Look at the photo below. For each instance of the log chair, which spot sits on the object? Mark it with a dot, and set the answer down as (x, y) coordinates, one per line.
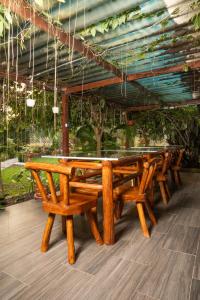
(176, 167)
(138, 194)
(162, 178)
(66, 204)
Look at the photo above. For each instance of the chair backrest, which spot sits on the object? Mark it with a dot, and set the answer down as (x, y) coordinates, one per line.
(166, 162)
(40, 170)
(149, 169)
(180, 157)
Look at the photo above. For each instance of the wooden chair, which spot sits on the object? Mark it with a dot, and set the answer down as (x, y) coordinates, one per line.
(64, 203)
(138, 194)
(176, 167)
(162, 178)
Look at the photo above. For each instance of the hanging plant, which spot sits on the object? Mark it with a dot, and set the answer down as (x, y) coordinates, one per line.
(30, 102)
(5, 19)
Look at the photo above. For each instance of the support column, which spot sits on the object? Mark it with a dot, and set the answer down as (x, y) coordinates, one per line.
(108, 205)
(65, 124)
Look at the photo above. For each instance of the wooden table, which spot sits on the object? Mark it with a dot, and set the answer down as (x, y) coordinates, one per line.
(106, 163)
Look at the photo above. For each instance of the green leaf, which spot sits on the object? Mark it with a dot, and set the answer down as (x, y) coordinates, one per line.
(114, 24)
(8, 16)
(185, 68)
(1, 28)
(93, 31)
(176, 11)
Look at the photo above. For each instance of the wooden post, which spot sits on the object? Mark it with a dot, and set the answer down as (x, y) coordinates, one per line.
(65, 124)
(108, 205)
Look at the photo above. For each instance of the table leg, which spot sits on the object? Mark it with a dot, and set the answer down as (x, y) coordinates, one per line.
(108, 205)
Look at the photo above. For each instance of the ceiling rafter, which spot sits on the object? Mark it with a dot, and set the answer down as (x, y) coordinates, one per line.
(131, 77)
(28, 12)
(165, 105)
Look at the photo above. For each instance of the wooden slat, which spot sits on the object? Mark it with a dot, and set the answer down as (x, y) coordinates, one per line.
(52, 187)
(92, 186)
(40, 185)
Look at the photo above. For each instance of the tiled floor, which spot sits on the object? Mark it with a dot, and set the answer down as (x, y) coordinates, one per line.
(166, 266)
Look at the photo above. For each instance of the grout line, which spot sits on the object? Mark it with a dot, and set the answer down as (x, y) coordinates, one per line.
(176, 251)
(198, 248)
(139, 293)
(7, 273)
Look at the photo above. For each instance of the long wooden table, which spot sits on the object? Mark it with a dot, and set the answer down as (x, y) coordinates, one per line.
(107, 163)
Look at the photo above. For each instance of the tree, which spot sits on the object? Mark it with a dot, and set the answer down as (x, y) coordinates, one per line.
(93, 119)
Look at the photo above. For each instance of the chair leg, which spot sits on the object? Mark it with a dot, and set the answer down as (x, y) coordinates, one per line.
(151, 193)
(64, 224)
(163, 192)
(167, 190)
(142, 219)
(70, 239)
(94, 212)
(150, 213)
(118, 209)
(93, 227)
(172, 176)
(47, 232)
(179, 178)
(176, 178)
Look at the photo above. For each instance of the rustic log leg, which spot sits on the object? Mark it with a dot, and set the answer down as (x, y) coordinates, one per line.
(108, 205)
(150, 213)
(167, 190)
(179, 178)
(176, 178)
(64, 224)
(70, 240)
(142, 219)
(47, 232)
(118, 209)
(163, 192)
(93, 227)
(172, 176)
(94, 212)
(151, 193)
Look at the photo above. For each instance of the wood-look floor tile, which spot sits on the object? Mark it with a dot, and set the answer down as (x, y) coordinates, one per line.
(165, 222)
(182, 238)
(195, 290)
(28, 265)
(118, 282)
(169, 277)
(139, 296)
(141, 249)
(134, 268)
(197, 264)
(189, 217)
(9, 286)
(42, 282)
(67, 286)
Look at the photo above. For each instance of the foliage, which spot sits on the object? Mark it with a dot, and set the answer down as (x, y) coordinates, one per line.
(92, 121)
(180, 126)
(114, 22)
(5, 19)
(196, 18)
(20, 124)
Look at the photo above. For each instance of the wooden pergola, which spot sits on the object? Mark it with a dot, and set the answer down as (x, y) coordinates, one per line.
(28, 13)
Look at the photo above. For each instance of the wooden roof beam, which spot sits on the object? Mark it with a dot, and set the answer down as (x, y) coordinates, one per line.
(27, 12)
(131, 77)
(164, 106)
